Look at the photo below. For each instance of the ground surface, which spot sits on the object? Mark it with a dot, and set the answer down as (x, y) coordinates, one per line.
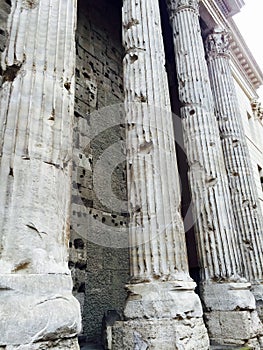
(213, 347)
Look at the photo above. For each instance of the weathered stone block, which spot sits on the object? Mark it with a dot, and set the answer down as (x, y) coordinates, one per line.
(233, 327)
(55, 344)
(163, 300)
(227, 296)
(160, 334)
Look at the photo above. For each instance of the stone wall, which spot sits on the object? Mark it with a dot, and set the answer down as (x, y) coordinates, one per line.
(5, 6)
(98, 247)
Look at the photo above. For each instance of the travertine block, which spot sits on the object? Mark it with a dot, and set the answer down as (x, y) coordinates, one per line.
(160, 334)
(163, 300)
(227, 296)
(233, 327)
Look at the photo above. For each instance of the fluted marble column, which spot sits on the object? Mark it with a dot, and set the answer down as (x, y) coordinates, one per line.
(222, 289)
(161, 293)
(36, 113)
(242, 185)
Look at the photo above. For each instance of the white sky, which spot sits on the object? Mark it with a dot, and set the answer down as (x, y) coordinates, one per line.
(250, 23)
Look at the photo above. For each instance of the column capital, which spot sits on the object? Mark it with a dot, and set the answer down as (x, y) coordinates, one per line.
(217, 43)
(177, 5)
(257, 109)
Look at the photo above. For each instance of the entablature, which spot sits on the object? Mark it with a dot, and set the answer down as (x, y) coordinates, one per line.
(217, 13)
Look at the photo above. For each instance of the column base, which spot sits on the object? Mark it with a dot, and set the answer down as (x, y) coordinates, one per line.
(163, 316)
(37, 310)
(230, 314)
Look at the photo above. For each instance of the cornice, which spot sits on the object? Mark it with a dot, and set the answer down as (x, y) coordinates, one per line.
(230, 7)
(241, 56)
(244, 56)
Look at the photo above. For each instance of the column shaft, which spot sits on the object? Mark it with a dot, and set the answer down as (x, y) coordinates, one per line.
(242, 185)
(36, 113)
(160, 288)
(222, 288)
(208, 181)
(157, 232)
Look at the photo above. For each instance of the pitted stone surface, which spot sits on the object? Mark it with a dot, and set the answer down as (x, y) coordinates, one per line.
(227, 296)
(5, 8)
(164, 334)
(100, 268)
(237, 328)
(163, 300)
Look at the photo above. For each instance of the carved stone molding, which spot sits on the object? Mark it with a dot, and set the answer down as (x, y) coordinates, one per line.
(217, 43)
(230, 8)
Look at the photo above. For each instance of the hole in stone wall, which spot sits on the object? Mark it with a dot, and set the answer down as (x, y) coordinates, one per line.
(134, 58)
(78, 243)
(81, 288)
(260, 172)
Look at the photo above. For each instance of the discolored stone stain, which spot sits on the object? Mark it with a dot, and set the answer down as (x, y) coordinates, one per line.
(67, 233)
(146, 147)
(67, 85)
(21, 266)
(30, 4)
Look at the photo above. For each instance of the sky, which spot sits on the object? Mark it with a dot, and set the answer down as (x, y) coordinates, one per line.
(250, 23)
